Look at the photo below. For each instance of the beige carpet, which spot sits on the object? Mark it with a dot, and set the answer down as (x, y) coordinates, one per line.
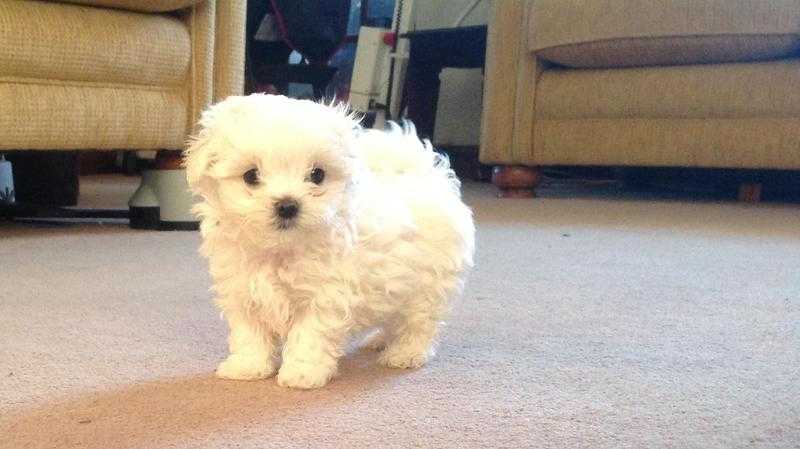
(589, 322)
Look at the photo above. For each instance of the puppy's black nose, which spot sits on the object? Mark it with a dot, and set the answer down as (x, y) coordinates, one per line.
(287, 208)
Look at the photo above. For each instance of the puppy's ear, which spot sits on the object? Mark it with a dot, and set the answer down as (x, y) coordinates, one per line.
(200, 156)
(198, 160)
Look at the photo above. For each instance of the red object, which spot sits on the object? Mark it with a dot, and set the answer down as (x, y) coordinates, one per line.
(390, 39)
(267, 89)
(282, 25)
(515, 181)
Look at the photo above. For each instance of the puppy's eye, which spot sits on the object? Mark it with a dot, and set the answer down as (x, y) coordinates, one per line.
(317, 175)
(250, 177)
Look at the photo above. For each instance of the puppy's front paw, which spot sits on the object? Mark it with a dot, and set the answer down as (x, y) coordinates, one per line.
(304, 376)
(245, 367)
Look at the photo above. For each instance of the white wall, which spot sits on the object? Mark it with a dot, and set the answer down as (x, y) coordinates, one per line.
(442, 13)
(458, 116)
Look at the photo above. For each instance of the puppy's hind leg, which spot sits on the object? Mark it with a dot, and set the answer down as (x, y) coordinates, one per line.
(411, 342)
(374, 341)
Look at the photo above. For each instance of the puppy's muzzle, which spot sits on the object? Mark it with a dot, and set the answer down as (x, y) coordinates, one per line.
(287, 208)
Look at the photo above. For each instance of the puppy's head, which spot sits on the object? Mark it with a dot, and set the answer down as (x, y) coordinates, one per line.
(277, 170)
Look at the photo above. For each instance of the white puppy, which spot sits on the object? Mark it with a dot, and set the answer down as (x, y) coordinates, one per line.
(316, 230)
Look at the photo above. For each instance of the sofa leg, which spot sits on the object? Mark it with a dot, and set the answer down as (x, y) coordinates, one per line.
(515, 181)
(750, 192)
(163, 200)
(143, 208)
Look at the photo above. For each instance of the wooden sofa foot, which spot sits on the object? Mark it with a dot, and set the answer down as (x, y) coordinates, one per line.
(515, 181)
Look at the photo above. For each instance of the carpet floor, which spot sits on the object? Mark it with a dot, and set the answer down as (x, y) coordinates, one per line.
(588, 322)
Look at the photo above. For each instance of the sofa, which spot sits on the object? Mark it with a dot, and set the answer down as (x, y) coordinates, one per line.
(118, 74)
(662, 83)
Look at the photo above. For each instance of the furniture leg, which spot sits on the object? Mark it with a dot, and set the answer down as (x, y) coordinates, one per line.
(163, 200)
(422, 94)
(515, 181)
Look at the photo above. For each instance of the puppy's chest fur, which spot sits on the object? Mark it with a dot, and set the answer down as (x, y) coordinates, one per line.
(282, 289)
(362, 286)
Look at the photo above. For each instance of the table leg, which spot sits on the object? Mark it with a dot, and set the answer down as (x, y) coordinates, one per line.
(422, 95)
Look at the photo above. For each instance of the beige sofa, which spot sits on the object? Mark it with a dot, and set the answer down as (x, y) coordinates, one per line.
(115, 74)
(702, 83)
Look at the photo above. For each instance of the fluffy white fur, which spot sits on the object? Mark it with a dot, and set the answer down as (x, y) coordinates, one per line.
(382, 243)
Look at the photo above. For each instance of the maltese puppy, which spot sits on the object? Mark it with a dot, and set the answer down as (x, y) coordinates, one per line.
(317, 231)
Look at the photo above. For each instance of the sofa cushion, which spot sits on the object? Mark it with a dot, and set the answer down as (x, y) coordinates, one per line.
(60, 116)
(677, 50)
(138, 5)
(620, 33)
(730, 91)
(56, 41)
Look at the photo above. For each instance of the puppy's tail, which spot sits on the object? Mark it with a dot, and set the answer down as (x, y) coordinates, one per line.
(398, 151)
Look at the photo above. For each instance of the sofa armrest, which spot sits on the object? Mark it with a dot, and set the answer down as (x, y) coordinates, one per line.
(229, 48)
(510, 86)
(218, 45)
